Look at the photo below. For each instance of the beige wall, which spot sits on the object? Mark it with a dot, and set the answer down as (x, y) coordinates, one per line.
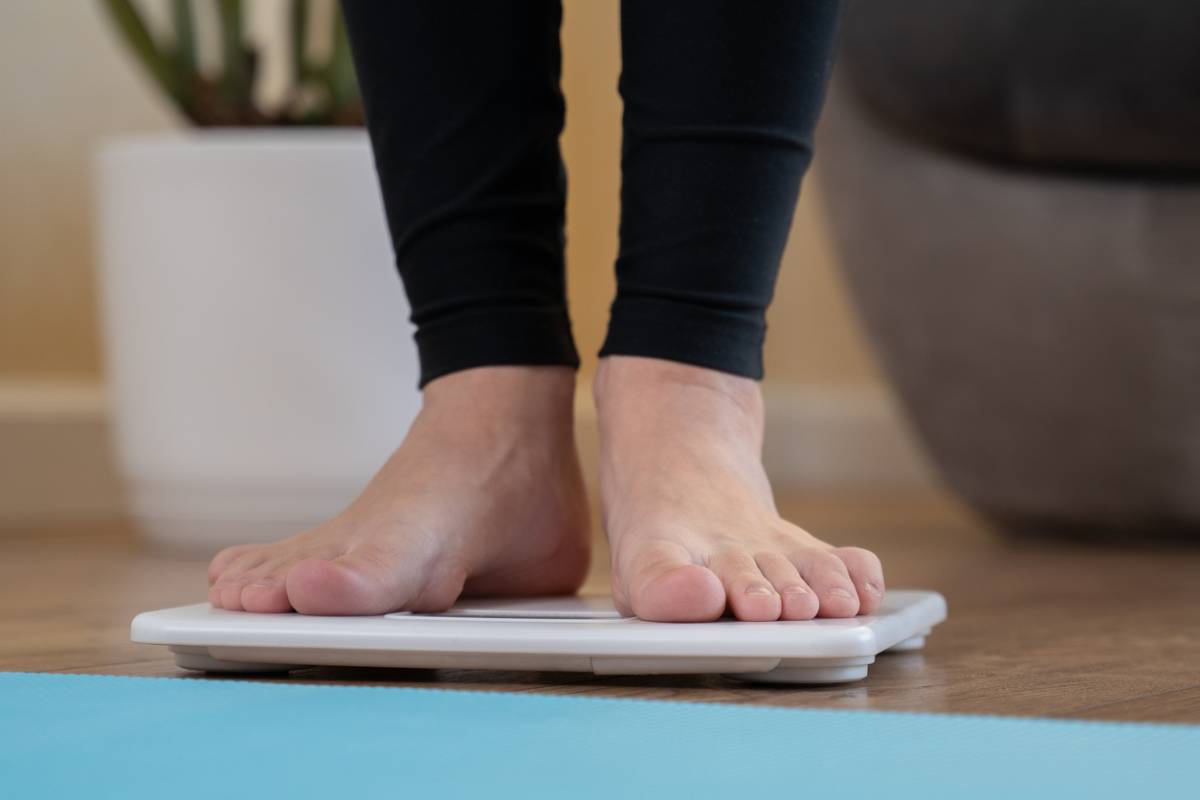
(65, 84)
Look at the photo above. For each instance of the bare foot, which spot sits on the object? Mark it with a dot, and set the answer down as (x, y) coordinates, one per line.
(688, 509)
(484, 496)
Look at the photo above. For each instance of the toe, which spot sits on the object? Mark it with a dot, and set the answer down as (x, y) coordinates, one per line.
(226, 591)
(265, 590)
(224, 558)
(667, 586)
(682, 593)
(750, 594)
(317, 586)
(230, 596)
(829, 579)
(266, 596)
(799, 601)
(866, 572)
(367, 580)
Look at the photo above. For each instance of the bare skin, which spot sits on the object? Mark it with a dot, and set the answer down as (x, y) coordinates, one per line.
(689, 513)
(484, 496)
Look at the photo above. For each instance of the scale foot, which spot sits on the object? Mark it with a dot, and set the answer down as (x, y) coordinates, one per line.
(198, 659)
(909, 645)
(806, 675)
(812, 671)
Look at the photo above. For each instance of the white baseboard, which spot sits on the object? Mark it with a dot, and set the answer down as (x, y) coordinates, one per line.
(56, 461)
(835, 438)
(818, 438)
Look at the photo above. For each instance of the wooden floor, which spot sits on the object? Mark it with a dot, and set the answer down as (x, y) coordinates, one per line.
(1035, 628)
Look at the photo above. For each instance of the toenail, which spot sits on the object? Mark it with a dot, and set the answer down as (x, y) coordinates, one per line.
(872, 588)
(840, 592)
(758, 590)
(796, 590)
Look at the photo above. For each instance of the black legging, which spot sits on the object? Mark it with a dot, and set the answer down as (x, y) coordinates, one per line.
(464, 111)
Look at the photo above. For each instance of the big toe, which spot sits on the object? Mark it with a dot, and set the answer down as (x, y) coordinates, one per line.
(372, 579)
(678, 592)
(337, 587)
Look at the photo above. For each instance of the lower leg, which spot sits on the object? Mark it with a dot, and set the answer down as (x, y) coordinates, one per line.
(721, 99)
(464, 110)
(484, 495)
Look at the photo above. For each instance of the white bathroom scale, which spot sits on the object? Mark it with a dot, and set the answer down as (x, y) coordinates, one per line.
(570, 634)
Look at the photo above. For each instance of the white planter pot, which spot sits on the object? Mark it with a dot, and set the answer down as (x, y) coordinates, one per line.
(260, 358)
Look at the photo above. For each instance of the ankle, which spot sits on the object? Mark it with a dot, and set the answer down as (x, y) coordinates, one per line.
(626, 384)
(532, 402)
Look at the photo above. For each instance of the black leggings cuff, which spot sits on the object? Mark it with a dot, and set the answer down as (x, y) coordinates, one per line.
(496, 337)
(727, 341)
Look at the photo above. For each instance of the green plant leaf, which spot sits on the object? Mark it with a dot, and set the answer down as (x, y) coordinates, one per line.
(185, 46)
(235, 78)
(343, 86)
(299, 39)
(158, 62)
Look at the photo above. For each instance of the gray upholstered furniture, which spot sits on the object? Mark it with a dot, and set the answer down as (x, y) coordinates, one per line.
(1015, 191)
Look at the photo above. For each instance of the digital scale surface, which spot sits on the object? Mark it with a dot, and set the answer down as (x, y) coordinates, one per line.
(570, 634)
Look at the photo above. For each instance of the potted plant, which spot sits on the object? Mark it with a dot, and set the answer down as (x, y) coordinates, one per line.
(259, 355)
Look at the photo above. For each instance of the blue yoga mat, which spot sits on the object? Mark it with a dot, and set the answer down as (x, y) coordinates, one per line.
(92, 736)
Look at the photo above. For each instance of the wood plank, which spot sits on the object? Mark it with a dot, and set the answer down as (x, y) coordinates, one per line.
(1180, 705)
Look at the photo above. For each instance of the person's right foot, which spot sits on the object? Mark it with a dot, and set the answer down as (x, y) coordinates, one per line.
(484, 496)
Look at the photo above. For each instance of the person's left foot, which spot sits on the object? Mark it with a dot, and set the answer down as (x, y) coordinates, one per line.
(688, 509)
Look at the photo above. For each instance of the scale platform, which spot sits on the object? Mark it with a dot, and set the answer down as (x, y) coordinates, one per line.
(569, 634)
